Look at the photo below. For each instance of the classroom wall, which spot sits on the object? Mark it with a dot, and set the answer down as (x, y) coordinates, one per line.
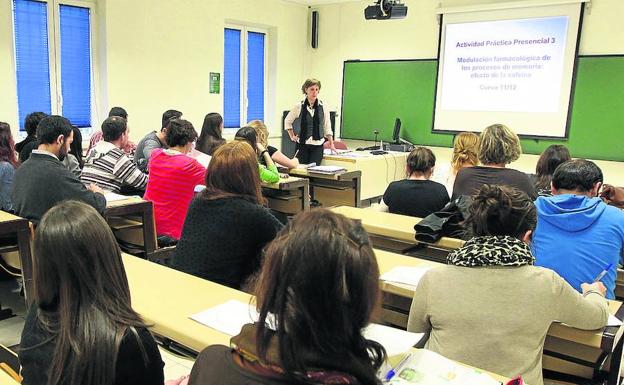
(346, 35)
(153, 55)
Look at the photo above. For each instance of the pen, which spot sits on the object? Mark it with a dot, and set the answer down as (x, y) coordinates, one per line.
(394, 370)
(603, 273)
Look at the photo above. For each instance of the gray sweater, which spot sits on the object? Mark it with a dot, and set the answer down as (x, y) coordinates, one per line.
(42, 182)
(496, 318)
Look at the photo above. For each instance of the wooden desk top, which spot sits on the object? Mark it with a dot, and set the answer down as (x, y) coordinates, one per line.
(363, 156)
(166, 298)
(8, 217)
(604, 338)
(393, 226)
(290, 183)
(5, 379)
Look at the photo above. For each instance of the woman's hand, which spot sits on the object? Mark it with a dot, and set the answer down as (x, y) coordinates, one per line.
(332, 147)
(260, 148)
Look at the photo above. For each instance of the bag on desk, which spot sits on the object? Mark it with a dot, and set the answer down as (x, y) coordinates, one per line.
(447, 222)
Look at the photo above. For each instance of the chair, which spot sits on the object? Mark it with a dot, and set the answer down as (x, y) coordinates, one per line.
(338, 144)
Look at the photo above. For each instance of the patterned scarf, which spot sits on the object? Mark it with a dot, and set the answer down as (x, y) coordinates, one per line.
(245, 345)
(498, 250)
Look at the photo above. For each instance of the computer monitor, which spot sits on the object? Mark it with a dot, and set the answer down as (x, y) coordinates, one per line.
(396, 135)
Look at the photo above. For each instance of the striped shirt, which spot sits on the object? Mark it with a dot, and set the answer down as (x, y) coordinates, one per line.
(110, 168)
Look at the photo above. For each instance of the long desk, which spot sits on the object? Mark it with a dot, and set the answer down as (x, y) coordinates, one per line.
(395, 232)
(378, 171)
(12, 225)
(127, 216)
(582, 353)
(289, 196)
(343, 188)
(177, 295)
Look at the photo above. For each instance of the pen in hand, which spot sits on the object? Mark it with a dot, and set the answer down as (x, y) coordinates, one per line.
(397, 368)
(603, 273)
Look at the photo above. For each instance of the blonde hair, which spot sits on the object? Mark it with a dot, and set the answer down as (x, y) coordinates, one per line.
(465, 150)
(309, 83)
(498, 145)
(262, 132)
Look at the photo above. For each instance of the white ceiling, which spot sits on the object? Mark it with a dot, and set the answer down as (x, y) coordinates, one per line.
(320, 2)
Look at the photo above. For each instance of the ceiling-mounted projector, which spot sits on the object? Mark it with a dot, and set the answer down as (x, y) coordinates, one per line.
(385, 9)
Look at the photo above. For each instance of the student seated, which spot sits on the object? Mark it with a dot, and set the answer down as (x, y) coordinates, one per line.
(416, 196)
(211, 136)
(490, 307)
(98, 136)
(43, 181)
(578, 235)
(613, 196)
(465, 154)
(25, 147)
(498, 146)
(173, 176)
(8, 164)
(226, 227)
(153, 140)
(81, 328)
(553, 156)
(268, 173)
(262, 135)
(73, 161)
(107, 165)
(320, 286)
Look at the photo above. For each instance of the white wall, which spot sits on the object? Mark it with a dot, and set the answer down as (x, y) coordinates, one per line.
(346, 35)
(160, 52)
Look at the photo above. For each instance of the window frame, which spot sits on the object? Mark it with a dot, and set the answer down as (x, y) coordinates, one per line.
(54, 56)
(244, 30)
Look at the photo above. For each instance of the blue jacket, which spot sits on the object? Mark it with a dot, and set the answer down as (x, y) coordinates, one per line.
(578, 237)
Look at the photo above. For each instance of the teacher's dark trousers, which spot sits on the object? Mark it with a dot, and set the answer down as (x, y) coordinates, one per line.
(309, 153)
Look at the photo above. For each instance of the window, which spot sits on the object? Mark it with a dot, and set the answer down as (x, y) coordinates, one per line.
(244, 76)
(53, 58)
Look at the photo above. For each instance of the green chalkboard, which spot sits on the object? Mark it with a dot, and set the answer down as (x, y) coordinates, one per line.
(376, 92)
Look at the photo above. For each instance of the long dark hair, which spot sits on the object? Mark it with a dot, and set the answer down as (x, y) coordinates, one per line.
(552, 157)
(82, 294)
(211, 136)
(320, 280)
(7, 145)
(500, 210)
(233, 172)
(75, 148)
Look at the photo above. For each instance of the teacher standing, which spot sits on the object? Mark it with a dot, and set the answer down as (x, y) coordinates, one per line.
(315, 125)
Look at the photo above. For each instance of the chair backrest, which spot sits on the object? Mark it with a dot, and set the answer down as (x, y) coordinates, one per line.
(338, 144)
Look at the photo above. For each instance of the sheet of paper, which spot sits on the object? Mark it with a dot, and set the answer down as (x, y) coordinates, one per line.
(405, 274)
(112, 197)
(613, 321)
(326, 169)
(428, 368)
(303, 166)
(396, 341)
(228, 318)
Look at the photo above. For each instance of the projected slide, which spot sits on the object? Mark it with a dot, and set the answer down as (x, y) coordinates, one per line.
(508, 65)
(511, 65)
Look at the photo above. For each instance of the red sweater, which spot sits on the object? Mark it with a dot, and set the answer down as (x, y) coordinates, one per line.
(172, 179)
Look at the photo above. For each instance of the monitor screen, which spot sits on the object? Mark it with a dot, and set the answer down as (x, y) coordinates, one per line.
(396, 135)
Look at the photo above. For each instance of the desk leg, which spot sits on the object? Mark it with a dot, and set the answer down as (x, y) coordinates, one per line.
(149, 230)
(23, 246)
(305, 197)
(358, 187)
(616, 364)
